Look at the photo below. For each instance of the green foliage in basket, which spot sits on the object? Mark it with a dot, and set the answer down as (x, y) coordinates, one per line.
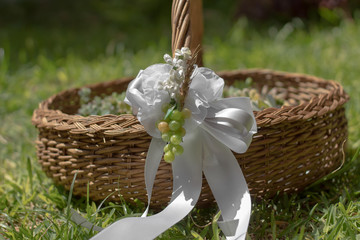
(259, 100)
(112, 104)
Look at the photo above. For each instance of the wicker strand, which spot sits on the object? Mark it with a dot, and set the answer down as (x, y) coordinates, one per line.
(187, 26)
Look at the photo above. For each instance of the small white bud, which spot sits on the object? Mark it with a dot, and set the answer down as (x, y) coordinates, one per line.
(168, 59)
(179, 63)
(179, 74)
(186, 52)
(178, 53)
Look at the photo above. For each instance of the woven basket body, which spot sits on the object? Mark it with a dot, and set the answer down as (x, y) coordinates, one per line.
(294, 146)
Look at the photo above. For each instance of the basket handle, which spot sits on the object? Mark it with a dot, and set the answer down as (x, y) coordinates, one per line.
(187, 26)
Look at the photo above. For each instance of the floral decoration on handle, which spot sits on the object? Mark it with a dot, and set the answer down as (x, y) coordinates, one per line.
(192, 127)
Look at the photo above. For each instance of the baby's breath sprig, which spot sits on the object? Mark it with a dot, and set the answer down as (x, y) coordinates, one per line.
(177, 85)
(177, 75)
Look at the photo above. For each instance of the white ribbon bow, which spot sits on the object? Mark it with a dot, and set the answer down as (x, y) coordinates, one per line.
(216, 127)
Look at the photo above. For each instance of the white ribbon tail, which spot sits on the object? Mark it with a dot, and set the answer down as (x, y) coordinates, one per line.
(152, 162)
(187, 179)
(153, 159)
(228, 186)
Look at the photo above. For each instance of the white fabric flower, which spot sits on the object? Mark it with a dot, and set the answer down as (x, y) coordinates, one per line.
(168, 59)
(146, 95)
(205, 88)
(145, 98)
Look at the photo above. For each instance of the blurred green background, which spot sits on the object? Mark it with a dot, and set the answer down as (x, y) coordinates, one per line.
(48, 46)
(92, 28)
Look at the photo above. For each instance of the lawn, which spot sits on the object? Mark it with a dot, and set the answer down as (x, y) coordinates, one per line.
(39, 61)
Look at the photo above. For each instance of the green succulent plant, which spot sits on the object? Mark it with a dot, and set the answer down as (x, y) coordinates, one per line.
(114, 103)
(259, 100)
(111, 104)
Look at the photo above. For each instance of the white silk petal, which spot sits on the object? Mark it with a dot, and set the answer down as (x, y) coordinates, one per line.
(206, 82)
(205, 87)
(228, 186)
(145, 98)
(198, 107)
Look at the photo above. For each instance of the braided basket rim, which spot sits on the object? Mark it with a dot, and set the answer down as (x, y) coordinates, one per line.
(266, 117)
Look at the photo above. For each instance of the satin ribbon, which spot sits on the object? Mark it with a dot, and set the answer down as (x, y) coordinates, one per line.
(229, 125)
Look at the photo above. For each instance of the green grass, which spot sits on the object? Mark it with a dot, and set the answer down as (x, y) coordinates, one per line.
(36, 62)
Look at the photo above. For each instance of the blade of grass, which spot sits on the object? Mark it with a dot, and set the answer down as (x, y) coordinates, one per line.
(273, 225)
(214, 226)
(68, 208)
(29, 169)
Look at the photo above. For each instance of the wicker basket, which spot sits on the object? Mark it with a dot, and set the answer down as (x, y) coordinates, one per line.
(295, 145)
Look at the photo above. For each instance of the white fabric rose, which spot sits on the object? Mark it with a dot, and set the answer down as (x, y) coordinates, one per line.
(146, 99)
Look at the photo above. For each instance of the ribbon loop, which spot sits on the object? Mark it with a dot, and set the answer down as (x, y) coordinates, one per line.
(232, 117)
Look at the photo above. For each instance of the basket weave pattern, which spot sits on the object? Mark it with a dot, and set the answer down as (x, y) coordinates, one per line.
(295, 145)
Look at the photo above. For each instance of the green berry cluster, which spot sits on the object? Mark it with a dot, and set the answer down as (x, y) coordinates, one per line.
(172, 131)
